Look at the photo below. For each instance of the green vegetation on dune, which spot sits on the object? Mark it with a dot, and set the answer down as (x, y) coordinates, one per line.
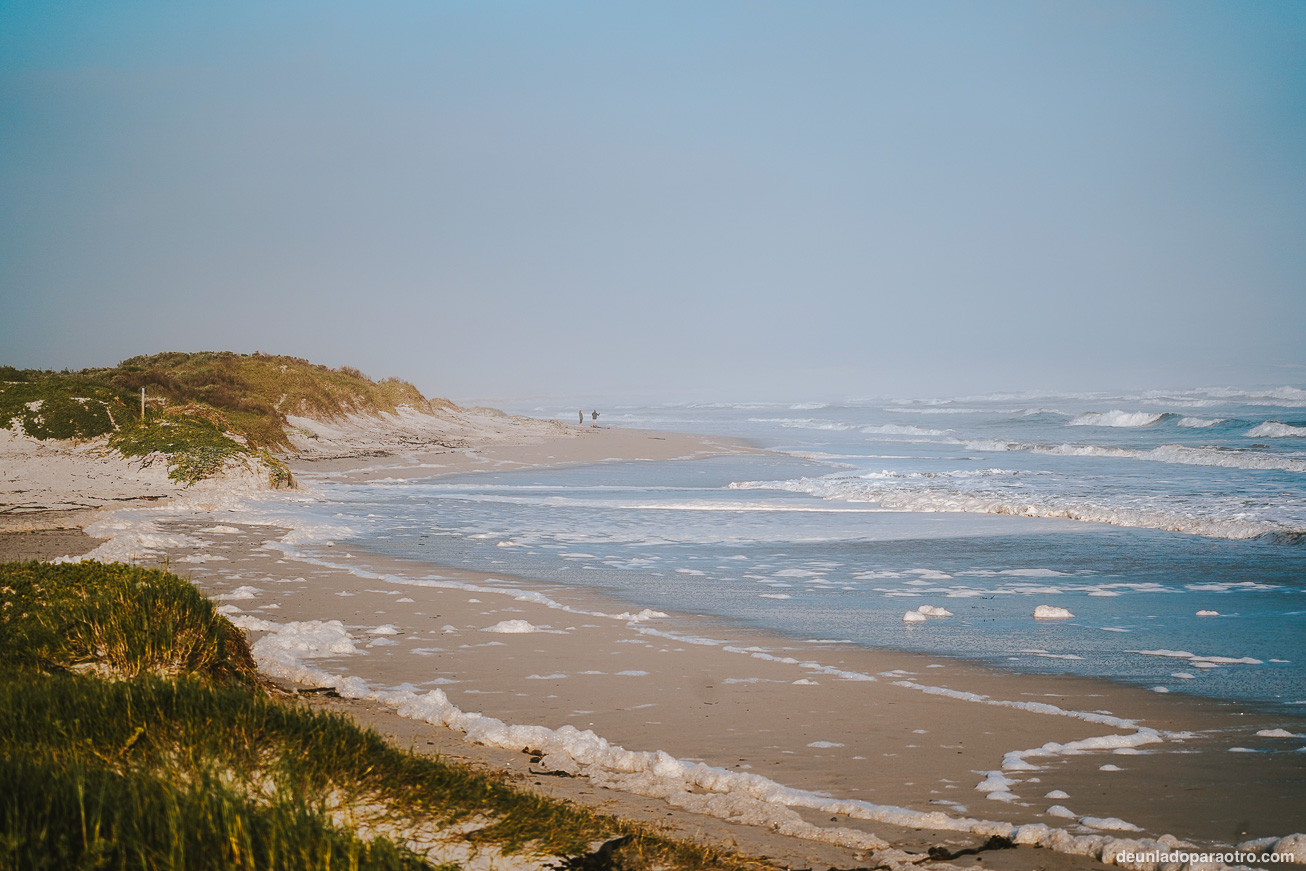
(153, 774)
(165, 752)
(115, 620)
(204, 409)
(256, 392)
(196, 445)
(59, 407)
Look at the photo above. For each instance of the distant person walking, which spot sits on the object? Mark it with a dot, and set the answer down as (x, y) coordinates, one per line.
(582, 417)
(594, 415)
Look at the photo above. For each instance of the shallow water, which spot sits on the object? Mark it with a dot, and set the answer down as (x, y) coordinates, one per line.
(678, 535)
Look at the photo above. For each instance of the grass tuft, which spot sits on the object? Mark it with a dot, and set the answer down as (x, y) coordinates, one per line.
(115, 620)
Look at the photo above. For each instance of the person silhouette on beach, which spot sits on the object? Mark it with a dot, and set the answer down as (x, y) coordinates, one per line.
(582, 417)
(594, 415)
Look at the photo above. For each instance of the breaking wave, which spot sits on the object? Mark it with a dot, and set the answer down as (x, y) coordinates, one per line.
(898, 429)
(1118, 418)
(944, 499)
(1272, 429)
(804, 423)
(1228, 458)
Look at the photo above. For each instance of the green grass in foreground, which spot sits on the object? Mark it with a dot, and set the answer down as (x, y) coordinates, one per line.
(184, 762)
(116, 621)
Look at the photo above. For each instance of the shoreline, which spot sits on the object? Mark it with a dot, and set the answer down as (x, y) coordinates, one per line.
(706, 672)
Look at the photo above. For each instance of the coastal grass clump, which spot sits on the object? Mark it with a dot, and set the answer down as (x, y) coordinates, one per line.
(57, 815)
(116, 621)
(135, 733)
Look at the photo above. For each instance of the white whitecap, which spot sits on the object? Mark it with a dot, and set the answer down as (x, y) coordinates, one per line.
(1116, 418)
(1272, 429)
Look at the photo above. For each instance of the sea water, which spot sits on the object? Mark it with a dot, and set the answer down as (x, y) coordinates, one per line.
(1170, 526)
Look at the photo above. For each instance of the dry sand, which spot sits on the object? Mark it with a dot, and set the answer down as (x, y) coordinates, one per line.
(791, 710)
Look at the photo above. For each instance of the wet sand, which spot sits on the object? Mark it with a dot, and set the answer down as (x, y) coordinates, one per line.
(805, 714)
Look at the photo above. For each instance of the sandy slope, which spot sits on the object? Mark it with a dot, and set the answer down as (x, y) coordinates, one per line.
(38, 476)
(44, 475)
(409, 429)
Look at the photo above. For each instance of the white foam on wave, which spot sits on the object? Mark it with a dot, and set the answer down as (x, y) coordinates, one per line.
(1183, 455)
(955, 474)
(1116, 418)
(900, 429)
(1177, 454)
(884, 490)
(1272, 429)
(1198, 422)
(804, 423)
(1200, 661)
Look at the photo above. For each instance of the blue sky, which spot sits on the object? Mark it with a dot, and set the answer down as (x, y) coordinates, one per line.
(663, 200)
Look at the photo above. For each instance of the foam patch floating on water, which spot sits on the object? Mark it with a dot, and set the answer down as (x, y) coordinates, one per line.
(1051, 612)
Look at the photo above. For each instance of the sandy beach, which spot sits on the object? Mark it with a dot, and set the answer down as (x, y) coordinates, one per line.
(806, 751)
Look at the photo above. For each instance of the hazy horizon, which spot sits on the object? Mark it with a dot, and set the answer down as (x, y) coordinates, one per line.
(517, 202)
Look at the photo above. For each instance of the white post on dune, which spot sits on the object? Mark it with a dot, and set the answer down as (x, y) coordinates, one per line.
(142, 403)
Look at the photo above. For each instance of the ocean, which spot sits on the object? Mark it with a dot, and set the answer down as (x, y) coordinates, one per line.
(1165, 532)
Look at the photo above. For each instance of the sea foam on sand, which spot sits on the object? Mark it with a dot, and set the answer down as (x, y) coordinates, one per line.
(735, 795)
